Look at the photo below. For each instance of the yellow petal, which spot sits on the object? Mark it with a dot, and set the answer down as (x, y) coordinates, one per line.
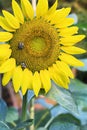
(17, 78)
(56, 77)
(12, 21)
(53, 8)
(2, 61)
(5, 53)
(45, 79)
(62, 75)
(58, 15)
(27, 9)
(68, 31)
(30, 79)
(73, 50)
(27, 80)
(42, 8)
(5, 25)
(5, 36)
(65, 68)
(8, 65)
(71, 40)
(65, 23)
(71, 60)
(36, 83)
(6, 77)
(17, 12)
(4, 46)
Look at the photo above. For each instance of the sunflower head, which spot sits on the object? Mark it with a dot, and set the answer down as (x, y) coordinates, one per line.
(38, 49)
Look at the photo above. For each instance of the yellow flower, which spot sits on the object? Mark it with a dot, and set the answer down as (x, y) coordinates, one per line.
(37, 49)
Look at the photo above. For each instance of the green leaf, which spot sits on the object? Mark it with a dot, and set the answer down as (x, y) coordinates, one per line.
(41, 128)
(64, 126)
(77, 87)
(3, 126)
(42, 117)
(79, 91)
(3, 109)
(66, 121)
(23, 124)
(84, 127)
(82, 26)
(85, 65)
(67, 118)
(63, 97)
(12, 114)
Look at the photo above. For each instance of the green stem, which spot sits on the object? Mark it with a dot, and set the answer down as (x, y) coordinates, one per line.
(0, 87)
(49, 122)
(14, 124)
(32, 113)
(24, 108)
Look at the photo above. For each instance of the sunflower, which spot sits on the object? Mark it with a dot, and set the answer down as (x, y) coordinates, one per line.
(38, 48)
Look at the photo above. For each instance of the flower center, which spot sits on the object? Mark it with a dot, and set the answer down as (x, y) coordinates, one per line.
(38, 44)
(35, 45)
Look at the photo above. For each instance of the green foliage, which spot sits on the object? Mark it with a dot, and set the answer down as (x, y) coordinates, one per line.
(70, 119)
(42, 117)
(65, 122)
(3, 126)
(84, 127)
(12, 115)
(20, 126)
(64, 126)
(9, 115)
(24, 124)
(3, 110)
(79, 92)
(41, 128)
(77, 87)
(62, 97)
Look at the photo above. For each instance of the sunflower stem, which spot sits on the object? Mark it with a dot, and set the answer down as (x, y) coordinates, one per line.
(0, 87)
(32, 112)
(24, 108)
(34, 6)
